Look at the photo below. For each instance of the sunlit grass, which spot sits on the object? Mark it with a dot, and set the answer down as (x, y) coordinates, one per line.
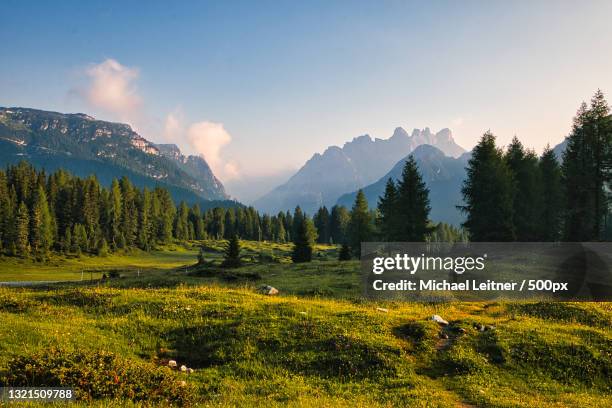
(317, 344)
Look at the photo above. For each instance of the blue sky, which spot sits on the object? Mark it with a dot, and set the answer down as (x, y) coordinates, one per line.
(260, 86)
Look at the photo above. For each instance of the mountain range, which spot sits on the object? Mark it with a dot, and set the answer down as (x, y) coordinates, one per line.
(83, 145)
(362, 161)
(443, 176)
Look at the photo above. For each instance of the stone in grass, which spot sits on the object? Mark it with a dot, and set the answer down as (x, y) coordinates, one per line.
(439, 320)
(443, 335)
(184, 368)
(268, 290)
(382, 309)
(172, 364)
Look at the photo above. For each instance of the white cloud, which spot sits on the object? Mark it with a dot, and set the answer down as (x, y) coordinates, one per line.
(231, 170)
(173, 125)
(111, 88)
(207, 139)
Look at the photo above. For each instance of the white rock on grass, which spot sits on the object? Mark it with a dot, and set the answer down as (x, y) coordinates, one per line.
(184, 368)
(382, 309)
(439, 320)
(172, 364)
(268, 290)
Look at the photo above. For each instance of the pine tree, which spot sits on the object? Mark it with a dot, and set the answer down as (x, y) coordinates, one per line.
(411, 208)
(586, 169)
(79, 239)
(360, 224)
(116, 203)
(129, 212)
(103, 248)
(41, 225)
(340, 218)
(304, 238)
(345, 253)
(322, 223)
(232, 253)
(387, 206)
(22, 227)
(4, 211)
(551, 192)
(298, 217)
(526, 195)
(181, 226)
(488, 193)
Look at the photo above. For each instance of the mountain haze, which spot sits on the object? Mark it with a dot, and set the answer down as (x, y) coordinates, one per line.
(362, 161)
(84, 146)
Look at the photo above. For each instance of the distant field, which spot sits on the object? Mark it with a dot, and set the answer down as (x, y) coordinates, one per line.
(72, 268)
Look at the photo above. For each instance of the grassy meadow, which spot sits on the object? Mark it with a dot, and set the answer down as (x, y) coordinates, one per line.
(318, 343)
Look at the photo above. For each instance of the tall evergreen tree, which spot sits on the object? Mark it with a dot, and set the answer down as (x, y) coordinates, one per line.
(412, 205)
(231, 258)
(387, 207)
(322, 223)
(360, 225)
(526, 194)
(488, 193)
(586, 169)
(41, 225)
(22, 229)
(339, 223)
(551, 192)
(116, 209)
(304, 237)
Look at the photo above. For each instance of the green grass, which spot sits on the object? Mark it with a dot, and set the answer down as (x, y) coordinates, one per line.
(71, 267)
(317, 344)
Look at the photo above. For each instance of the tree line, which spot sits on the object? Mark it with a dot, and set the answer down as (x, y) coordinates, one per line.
(509, 195)
(514, 195)
(41, 213)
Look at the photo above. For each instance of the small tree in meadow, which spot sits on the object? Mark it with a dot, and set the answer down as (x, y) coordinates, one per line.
(345, 253)
(232, 253)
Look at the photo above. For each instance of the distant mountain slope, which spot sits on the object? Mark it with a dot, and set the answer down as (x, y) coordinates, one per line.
(443, 175)
(362, 161)
(84, 146)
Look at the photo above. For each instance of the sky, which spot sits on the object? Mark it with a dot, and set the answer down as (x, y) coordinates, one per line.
(259, 87)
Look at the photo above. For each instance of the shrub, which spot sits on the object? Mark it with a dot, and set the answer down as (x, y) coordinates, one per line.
(98, 375)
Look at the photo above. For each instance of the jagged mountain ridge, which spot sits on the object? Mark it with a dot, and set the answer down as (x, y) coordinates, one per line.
(83, 145)
(443, 176)
(362, 161)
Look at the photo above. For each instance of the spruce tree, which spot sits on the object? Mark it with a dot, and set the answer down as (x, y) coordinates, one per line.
(41, 225)
(526, 194)
(231, 258)
(360, 225)
(22, 228)
(345, 253)
(412, 205)
(551, 192)
(387, 206)
(488, 193)
(304, 237)
(322, 223)
(340, 218)
(116, 203)
(103, 248)
(586, 170)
